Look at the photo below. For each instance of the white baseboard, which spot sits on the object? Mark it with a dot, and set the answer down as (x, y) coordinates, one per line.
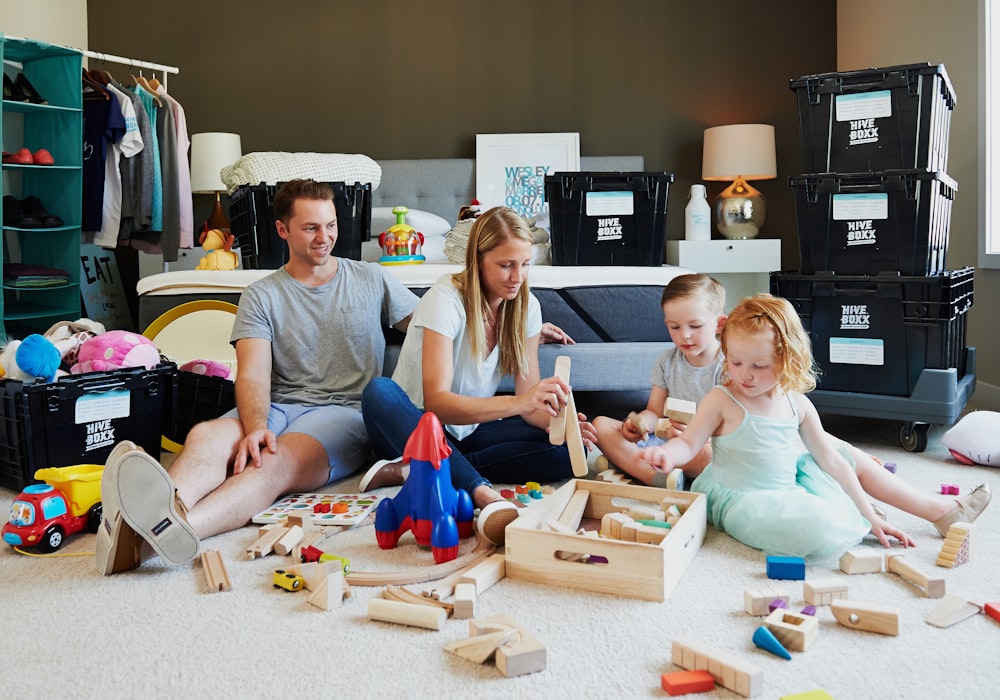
(986, 397)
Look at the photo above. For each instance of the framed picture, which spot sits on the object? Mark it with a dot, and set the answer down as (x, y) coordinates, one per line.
(511, 168)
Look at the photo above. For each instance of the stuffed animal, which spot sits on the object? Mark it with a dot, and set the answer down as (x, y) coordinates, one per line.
(219, 245)
(975, 439)
(114, 350)
(32, 358)
(208, 368)
(68, 336)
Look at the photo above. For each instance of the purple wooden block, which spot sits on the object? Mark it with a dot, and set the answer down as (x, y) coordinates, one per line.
(809, 610)
(890, 466)
(775, 604)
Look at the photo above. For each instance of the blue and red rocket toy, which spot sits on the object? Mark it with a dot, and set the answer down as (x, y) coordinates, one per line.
(436, 512)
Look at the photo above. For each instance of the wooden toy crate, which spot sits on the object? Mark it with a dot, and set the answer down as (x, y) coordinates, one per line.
(534, 552)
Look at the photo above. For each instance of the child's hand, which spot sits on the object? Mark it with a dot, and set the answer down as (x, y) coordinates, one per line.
(633, 428)
(657, 458)
(883, 530)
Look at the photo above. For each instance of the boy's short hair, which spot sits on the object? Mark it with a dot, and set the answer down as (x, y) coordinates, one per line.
(288, 193)
(699, 286)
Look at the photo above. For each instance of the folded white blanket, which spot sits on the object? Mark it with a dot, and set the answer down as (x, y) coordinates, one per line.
(273, 167)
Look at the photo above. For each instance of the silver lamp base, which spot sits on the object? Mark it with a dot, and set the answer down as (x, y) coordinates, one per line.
(740, 211)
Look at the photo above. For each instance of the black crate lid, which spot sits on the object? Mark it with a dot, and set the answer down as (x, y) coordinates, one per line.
(834, 81)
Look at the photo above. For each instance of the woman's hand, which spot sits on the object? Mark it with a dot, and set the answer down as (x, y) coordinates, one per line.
(547, 396)
(552, 333)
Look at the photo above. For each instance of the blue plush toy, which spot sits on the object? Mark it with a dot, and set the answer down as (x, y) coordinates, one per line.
(36, 356)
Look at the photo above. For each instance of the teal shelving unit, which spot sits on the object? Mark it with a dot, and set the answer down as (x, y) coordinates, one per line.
(55, 73)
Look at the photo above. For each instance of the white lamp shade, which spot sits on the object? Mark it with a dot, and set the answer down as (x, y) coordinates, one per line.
(210, 153)
(737, 150)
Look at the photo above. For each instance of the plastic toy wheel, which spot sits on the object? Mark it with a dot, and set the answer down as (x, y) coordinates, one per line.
(94, 517)
(52, 540)
(913, 436)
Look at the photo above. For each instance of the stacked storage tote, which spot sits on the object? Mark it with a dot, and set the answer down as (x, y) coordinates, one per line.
(887, 318)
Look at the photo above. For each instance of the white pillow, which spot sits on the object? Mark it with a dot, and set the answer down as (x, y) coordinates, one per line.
(426, 222)
(975, 438)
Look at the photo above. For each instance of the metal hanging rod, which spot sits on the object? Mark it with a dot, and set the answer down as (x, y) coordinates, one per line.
(130, 61)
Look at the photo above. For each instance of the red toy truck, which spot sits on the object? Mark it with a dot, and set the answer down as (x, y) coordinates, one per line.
(43, 515)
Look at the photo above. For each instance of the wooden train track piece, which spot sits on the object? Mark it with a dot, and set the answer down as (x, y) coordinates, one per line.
(215, 571)
(422, 575)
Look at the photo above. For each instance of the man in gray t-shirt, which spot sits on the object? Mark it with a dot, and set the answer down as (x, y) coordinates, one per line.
(308, 340)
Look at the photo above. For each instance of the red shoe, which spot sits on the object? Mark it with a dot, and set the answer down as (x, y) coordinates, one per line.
(42, 157)
(22, 157)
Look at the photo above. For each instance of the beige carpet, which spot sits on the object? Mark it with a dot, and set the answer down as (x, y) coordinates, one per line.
(157, 632)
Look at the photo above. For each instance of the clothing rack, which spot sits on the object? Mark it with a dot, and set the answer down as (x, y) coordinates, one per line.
(110, 58)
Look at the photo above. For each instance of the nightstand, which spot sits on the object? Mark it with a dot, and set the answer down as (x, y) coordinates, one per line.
(741, 266)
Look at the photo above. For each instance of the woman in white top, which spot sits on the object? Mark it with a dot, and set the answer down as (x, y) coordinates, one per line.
(469, 330)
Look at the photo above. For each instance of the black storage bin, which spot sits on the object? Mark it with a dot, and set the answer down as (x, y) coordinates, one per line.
(875, 334)
(608, 218)
(198, 398)
(896, 221)
(876, 119)
(252, 223)
(79, 419)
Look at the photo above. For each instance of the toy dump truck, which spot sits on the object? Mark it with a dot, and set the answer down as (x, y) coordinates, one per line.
(43, 515)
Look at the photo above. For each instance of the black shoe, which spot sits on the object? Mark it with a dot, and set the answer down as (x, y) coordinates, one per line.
(32, 206)
(10, 91)
(28, 90)
(15, 216)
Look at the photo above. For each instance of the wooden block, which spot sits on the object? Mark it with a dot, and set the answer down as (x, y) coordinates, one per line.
(485, 573)
(957, 547)
(646, 534)
(757, 601)
(425, 616)
(557, 425)
(269, 534)
(862, 561)
(680, 410)
(302, 520)
(789, 568)
(932, 587)
(480, 648)
(638, 511)
(727, 669)
(823, 592)
(993, 610)
(611, 525)
(951, 610)
(881, 619)
(818, 694)
(573, 512)
(330, 592)
(464, 601)
(574, 440)
(520, 654)
(629, 531)
(215, 571)
(684, 682)
(794, 630)
(636, 422)
(291, 537)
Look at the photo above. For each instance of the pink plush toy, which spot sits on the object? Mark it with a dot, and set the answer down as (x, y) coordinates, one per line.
(116, 349)
(209, 368)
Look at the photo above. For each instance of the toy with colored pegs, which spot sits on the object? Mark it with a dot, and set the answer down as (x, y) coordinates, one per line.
(401, 244)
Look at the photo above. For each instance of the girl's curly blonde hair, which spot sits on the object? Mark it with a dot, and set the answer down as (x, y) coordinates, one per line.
(763, 314)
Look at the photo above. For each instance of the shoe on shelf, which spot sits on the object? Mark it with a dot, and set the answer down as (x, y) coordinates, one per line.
(493, 521)
(22, 157)
(148, 502)
(385, 472)
(11, 92)
(42, 157)
(14, 215)
(28, 90)
(33, 206)
(970, 506)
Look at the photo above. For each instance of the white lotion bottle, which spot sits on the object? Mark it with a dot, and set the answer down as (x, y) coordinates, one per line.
(698, 215)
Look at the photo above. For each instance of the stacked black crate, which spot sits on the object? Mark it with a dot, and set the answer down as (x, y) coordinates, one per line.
(874, 217)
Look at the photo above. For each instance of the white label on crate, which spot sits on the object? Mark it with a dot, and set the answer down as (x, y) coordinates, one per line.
(102, 406)
(857, 351)
(861, 206)
(862, 107)
(609, 203)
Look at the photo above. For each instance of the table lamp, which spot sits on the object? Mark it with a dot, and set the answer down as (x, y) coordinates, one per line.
(210, 153)
(739, 152)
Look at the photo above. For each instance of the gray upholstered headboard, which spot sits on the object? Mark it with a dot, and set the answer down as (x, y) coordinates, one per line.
(445, 185)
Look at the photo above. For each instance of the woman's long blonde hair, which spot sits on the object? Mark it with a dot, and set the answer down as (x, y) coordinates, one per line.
(491, 229)
(761, 314)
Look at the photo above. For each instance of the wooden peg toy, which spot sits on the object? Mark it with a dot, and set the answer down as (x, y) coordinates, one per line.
(932, 587)
(881, 619)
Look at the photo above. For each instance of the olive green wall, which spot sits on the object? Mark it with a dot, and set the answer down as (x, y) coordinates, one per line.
(404, 79)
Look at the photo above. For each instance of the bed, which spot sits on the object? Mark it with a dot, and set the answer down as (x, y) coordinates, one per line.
(612, 312)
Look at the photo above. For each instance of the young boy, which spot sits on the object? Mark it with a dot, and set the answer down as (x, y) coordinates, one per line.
(693, 311)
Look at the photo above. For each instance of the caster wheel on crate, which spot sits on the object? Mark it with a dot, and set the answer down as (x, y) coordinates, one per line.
(913, 436)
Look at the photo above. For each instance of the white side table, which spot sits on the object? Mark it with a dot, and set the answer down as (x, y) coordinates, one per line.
(741, 266)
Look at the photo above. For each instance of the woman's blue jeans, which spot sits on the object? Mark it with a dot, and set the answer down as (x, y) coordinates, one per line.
(508, 451)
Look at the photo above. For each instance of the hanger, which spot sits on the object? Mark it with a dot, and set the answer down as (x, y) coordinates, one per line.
(93, 90)
(101, 76)
(154, 83)
(144, 84)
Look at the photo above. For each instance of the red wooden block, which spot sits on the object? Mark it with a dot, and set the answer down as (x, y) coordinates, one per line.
(683, 682)
(993, 610)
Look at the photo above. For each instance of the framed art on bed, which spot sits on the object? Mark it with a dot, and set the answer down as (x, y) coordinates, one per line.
(511, 168)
